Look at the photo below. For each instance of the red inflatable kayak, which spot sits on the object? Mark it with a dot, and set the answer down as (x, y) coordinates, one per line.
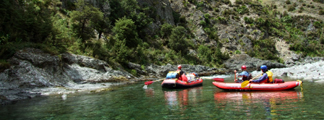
(175, 83)
(259, 86)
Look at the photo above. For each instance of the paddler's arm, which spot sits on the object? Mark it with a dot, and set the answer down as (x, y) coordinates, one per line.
(263, 77)
(234, 75)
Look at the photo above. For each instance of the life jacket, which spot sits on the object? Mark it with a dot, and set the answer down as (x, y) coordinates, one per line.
(269, 79)
(180, 72)
(247, 77)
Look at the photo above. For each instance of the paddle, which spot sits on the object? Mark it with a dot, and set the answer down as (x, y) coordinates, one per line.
(300, 84)
(246, 82)
(150, 82)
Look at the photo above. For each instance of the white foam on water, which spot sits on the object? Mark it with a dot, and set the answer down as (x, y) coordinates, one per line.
(215, 76)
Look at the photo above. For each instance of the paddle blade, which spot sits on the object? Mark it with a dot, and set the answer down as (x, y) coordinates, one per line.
(148, 82)
(145, 87)
(219, 79)
(245, 83)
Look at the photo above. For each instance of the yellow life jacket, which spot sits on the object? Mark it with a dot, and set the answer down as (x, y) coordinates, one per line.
(270, 74)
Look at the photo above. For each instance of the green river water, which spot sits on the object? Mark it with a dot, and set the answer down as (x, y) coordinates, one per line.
(132, 102)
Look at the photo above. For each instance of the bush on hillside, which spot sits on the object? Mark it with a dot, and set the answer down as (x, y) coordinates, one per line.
(193, 1)
(264, 49)
(321, 12)
(177, 40)
(242, 10)
(291, 8)
(288, 2)
(248, 20)
(319, 1)
(166, 30)
(238, 2)
(212, 54)
(226, 1)
(125, 29)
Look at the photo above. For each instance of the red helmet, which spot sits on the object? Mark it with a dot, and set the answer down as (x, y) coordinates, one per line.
(243, 67)
(179, 66)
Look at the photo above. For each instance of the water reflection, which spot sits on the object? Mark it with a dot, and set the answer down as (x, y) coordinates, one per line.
(269, 103)
(149, 92)
(266, 95)
(182, 97)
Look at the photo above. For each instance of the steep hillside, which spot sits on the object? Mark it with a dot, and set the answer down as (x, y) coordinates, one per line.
(203, 32)
(246, 26)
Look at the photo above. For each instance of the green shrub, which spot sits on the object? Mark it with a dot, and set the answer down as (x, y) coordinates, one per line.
(321, 12)
(193, 1)
(291, 8)
(166, 30)
(226, 1)
(288, 2)
(125, 29)
(317, 24)
(237, 52)
(134, 72)
(203, 23)
(178, 41)
(4, 65)
(248, 20)
(264, 49)
(242, 10)
(211, 54)
(238, 2)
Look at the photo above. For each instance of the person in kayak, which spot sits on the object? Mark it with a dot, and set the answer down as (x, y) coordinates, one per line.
(266, 76)
(244, 75)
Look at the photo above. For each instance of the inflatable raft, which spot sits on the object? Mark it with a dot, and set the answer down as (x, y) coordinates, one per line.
(174, 80)
(175, 83)
(259, 86)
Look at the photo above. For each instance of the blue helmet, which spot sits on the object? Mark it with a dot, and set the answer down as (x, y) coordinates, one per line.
(264, 67)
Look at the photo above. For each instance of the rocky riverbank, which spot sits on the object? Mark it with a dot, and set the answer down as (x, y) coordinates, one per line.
(34, 73)
(306, 69)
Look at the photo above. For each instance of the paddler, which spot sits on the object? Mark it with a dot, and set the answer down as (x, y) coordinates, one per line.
(266, 76)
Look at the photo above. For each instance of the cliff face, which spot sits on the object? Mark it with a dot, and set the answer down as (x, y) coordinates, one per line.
(163, 10)
(164, 14)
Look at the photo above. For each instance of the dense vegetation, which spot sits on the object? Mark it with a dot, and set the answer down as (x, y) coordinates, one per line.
(121, 37)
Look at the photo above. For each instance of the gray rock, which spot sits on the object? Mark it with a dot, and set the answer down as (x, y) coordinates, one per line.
(235, 63)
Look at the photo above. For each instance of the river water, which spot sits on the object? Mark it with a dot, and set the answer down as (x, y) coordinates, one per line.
(132, 102)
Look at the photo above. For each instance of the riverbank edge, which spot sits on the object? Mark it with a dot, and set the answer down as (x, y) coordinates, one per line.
(34, 73)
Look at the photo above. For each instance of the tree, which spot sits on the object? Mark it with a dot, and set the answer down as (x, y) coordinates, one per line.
(125, 29)
(166, 30)
(27, 20)
(85, 19)
(177, 39)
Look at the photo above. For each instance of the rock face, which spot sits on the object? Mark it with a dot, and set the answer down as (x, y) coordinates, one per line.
(161, 71)
(235, 63)
(33, 70)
